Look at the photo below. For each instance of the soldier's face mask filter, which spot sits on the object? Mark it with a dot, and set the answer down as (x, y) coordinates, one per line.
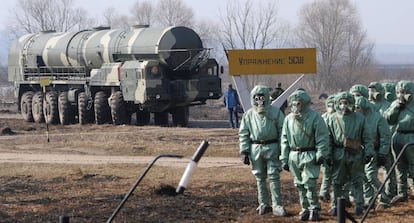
(259, 100)
(388, 96)
(373, 94)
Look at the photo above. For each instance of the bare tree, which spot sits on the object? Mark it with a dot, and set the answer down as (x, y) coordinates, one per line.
(110, 15)
(114, 20)
(253, 25)
(142, 13)
(173, 12)
(32, 16)
(343, 50)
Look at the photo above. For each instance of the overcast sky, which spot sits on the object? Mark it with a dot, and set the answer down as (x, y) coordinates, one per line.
(387, 22)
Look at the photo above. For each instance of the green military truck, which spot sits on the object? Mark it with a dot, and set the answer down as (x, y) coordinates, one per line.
(105, 75)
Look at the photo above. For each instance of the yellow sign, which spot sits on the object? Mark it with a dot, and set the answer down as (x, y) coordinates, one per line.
(45, 81)
(272, 61)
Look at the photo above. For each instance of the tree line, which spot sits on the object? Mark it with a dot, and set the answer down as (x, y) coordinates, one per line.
(333, 27)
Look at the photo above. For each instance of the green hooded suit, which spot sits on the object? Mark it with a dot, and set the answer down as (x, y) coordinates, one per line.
(352, 146)
(259, 136)
(304, 143)
(401, 115)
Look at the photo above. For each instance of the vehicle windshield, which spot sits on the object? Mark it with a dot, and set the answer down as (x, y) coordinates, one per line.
(154, 72)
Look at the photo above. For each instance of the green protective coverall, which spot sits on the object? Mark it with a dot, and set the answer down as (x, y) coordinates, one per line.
(259, 136)
(348, 164)
(382, 137)
(401, 115)
(326, 169)
(377, 97)
(305, 139)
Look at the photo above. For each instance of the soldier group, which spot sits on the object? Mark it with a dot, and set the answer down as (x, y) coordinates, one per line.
(362, 130)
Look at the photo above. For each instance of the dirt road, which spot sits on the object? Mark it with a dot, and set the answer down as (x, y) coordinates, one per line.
(100, 160)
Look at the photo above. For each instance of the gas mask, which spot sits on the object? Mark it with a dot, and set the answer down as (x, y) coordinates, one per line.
(356, 94)
(358, 108)
(259, 100)
(296, 107)
(373, 95)
(343, 106)
(388, 96)
(403, 97)
(329, 108)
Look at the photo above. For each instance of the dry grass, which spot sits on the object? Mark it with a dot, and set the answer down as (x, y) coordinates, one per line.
(90, 193)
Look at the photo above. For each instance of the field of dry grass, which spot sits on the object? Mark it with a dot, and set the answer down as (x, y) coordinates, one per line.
(41, 192)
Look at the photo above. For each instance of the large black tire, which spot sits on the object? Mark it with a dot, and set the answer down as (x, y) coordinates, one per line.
(26, 106)
(119, 113)
(66, 112)
(161, 118)
(143, 117)
(180, 116)
(102, 110)
(50, 108)
(37, 107)
(85, 115)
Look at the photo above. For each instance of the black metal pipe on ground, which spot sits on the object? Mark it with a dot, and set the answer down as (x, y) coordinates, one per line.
(137, 183)
(391, 171)
(63, 219)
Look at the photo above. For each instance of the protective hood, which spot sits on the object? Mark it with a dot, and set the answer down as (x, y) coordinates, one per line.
(359, 88)
(363, 103)
(330, 99)
(380, 92)
(260, 90)
(347, 96)
(407, 88)
(300, 95)
(389, 89)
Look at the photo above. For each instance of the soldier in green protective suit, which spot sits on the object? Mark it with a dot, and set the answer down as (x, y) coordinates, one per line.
(304, 147)
(380, 104)
(401, 115)
(259, 136)
(352, 147)
(324, 193)
(382, 137)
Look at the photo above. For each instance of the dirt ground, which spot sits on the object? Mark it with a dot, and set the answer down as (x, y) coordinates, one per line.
(84, 172)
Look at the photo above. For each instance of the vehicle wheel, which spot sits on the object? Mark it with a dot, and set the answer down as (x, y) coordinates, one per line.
(180, 116)
(66, 113)
(143, 117)
(119, 112)
(37, 107)
(102, 110)
(26, 106)
(161, 118)
(50, 108)
(85, 115)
